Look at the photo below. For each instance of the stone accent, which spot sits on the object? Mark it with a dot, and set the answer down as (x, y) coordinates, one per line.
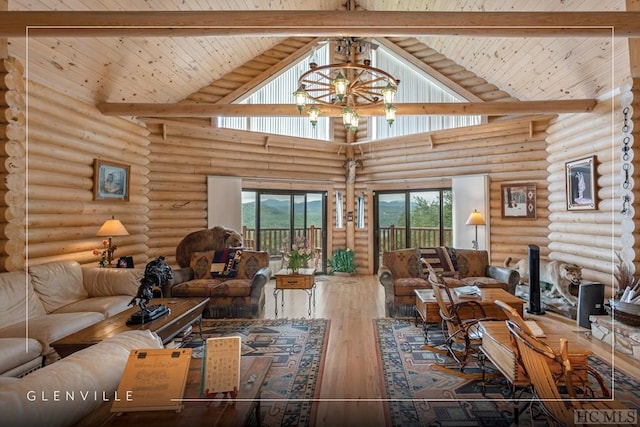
(626, 339)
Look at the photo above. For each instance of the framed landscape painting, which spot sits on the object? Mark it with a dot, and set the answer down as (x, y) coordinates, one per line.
(519, 200)
(581, 184)
(110, 181)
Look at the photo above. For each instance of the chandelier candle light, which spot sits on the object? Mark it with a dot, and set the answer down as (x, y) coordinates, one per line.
(348, 85)
(111, 227)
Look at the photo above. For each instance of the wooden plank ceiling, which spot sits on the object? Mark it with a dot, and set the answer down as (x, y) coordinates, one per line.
(116, 69)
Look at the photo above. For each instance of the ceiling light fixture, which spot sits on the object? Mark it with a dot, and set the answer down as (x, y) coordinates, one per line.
(350, 84)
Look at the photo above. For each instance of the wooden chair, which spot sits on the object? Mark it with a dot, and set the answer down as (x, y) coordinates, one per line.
(579, 376)
(535, 356)
(460, 319)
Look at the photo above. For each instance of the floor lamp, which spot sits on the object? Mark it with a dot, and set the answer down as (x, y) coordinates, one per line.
(475, 219)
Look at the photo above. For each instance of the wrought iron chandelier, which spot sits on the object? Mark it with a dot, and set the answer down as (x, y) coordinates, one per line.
(349, 85)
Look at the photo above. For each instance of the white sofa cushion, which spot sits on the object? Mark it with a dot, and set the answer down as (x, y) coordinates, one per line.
(16, 296)
(58, 284)
(108, 306)
(102, 282)
(93, 372)
(15, 352)
(51, 327)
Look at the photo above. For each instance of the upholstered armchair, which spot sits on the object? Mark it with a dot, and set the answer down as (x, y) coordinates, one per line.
(400, 274)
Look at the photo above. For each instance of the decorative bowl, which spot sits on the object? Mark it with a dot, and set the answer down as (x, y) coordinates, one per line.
(627, 313)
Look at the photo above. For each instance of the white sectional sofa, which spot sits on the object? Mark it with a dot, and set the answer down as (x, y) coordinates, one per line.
(50, 301)
(66, 392)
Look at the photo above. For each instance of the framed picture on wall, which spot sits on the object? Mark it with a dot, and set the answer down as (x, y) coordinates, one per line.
(519, 200)
(581, 184)
(110, 180)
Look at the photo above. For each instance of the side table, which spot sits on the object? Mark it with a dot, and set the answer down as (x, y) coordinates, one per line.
(303, 280)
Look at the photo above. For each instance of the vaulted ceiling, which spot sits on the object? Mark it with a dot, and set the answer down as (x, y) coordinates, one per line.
(162, 69)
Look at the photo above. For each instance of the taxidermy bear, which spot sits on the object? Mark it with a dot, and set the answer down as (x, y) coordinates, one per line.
(212, 239)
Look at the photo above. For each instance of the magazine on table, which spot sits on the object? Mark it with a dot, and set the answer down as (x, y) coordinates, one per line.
(468, 291)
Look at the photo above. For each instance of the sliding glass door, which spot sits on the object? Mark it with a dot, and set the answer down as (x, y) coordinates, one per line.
(406, 219)
(272, 220)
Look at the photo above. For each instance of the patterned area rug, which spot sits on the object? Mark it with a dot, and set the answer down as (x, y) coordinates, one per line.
(419, 395)
(298, 348)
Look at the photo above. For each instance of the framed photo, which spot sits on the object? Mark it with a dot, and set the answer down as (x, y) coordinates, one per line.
(110, 181)
(125, 262)
(519, 200)
(581, 184)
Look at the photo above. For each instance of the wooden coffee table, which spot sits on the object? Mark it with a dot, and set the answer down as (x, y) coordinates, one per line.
(183, 313)
(427, 306)
(199, 410)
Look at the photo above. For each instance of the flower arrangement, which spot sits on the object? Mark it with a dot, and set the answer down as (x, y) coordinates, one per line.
(105, 253)
(300, 253)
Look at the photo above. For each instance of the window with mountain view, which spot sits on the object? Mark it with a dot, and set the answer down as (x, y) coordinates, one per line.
(272, 220)
(418, 218)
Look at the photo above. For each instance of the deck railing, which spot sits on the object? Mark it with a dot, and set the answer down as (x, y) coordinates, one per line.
(393, 237)
(271, 239)
(390, 237)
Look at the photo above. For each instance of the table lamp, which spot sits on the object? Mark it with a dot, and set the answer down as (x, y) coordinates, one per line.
(475, 219)
(111, 227)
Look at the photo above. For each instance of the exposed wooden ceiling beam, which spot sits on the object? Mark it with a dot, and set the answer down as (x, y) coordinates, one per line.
(317, 23)
(254, 110)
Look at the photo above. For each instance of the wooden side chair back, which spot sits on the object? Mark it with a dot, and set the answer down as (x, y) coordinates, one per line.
(580, 376)
(535, 356)
(460, 318)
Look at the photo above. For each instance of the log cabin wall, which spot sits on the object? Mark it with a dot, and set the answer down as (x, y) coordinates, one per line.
(588, 238)
(507, 151)
(12, 138)
(64, 137)
(184, 154)
(171, 204)
(14, 165)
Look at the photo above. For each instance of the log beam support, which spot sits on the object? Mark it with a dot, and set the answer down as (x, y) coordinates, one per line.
(318, 23)
(498, 108)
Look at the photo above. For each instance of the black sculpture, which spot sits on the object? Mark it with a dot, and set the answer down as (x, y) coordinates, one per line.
(156, 273)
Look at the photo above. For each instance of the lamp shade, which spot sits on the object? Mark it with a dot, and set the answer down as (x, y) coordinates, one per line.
(112, 227)
(475, 218)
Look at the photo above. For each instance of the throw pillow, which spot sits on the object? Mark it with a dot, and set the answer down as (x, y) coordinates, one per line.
(201, 264)
(225, 262)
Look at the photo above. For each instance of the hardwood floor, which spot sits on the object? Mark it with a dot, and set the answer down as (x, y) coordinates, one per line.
(351, 394)
(350, 387)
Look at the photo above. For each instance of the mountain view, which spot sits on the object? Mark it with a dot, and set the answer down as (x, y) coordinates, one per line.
(276, 213)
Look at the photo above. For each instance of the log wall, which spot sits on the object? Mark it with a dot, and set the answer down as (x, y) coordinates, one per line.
(630, 109)
(61, 218)
(13, 203)
(507, 151)
(171, 159)
(590, 238)
(184, 154)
